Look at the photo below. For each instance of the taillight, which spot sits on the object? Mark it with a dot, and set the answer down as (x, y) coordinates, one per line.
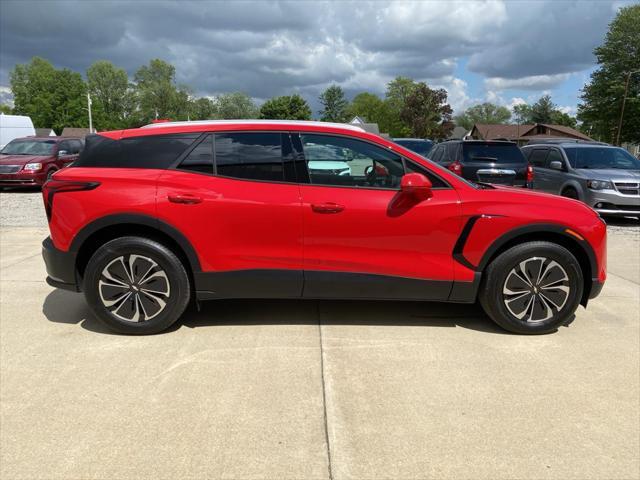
(456, 167)
(529, 174)
(51, 187)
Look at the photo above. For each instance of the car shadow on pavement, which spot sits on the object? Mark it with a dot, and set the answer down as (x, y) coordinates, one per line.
(61, 306)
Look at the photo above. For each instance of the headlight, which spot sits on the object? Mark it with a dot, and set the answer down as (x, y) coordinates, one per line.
(33, 166)
(599, 185)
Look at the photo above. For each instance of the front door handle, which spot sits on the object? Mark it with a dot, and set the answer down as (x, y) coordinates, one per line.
(327, 207)
(184, 198)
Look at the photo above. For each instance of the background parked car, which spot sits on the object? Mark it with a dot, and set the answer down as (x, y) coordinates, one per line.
(14, 126)
(484, 161)
(604, 177)
(30, 161)
(418, 145)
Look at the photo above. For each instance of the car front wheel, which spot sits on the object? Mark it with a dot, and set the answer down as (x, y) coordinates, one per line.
(135, 285)
(532, 288)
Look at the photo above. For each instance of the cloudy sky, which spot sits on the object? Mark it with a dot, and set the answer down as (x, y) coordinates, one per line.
(500, 51)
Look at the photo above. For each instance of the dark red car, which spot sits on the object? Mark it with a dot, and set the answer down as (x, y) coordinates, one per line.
(148, 220)
(31, 161)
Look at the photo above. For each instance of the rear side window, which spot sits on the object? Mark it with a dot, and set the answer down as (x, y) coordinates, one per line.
(154, 151)
(251, 156)
(492, 153)
(200, 159)
(436, 154)
(538, 157)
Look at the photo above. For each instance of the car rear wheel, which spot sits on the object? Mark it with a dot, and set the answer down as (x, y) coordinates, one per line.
(532, 288)
(136, 285)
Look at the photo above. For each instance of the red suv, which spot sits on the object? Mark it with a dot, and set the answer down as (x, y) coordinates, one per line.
(31, 161)
(150, 219)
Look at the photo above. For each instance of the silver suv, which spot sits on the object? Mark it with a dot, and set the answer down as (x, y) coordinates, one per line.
(604, 177)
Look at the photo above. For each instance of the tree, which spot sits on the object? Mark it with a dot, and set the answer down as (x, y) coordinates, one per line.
(522, 113)
(157, 92)
(236, 105)
(602, 97)
(111, 95)
(426, 113)
(542, 111)
(562, 118)
(483, 113)
(6, 109)
(334, 105)
(292, 107)
(203, 109)
(52, 98)
(370, 107)
(398, 91)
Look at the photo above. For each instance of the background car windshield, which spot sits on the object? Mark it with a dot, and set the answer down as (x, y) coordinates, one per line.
(28, 147)
(421, 148)
(601, 157)
(494, 153)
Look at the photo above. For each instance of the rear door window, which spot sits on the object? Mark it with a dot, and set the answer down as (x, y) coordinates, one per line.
(200, 159)
(251, 156)
(538, 157)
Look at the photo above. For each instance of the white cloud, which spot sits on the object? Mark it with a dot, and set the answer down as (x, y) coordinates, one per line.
(533, 82)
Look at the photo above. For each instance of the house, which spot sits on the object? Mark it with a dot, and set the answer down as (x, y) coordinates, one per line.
(458, 133)
(368, 127)
(45, 132)
(523, 133)
(75, 132)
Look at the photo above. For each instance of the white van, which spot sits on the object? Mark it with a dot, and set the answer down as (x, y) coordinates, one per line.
(14, 126)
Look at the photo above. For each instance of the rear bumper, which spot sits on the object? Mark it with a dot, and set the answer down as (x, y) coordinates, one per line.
(596, 288)
(61, 271)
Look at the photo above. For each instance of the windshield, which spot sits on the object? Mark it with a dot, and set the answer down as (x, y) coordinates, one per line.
(28, 147)
(420, 147)
(601, 157)
(492, 153)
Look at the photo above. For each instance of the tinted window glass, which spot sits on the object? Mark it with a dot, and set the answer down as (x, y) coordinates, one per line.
(254, 156)
(157, 151)
(28, 147)
(492, 152)
(554, 156)
(200, 159)
(435, 181)
(538, 157)
(601, 157)
(421, 147)
(76, 146)
(436, 154)
(348, 162)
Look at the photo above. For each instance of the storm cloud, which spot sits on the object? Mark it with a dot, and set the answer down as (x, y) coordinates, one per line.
(273, 48)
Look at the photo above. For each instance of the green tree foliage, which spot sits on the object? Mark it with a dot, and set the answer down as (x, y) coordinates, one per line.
(52, 98)
(618, 56)
(543, 111)
(483, 113)
(236, 105)
(113, 100)
(292, 107)
(522, 113)
(371, 108)
(426, 112)
(6, 109)
(335, 106)
(157, 92)
(398, 91)
(202, 109)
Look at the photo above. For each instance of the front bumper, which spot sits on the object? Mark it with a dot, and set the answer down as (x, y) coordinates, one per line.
(22, 179)
(61, 267)
(611, 202)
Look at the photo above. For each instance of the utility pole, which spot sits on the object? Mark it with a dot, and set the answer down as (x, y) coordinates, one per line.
(89, 109)
(624, 100)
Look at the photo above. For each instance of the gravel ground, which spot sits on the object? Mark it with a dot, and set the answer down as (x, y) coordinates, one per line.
(25, 209)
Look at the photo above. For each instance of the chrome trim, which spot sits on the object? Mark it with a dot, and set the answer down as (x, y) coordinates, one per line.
(496, 171)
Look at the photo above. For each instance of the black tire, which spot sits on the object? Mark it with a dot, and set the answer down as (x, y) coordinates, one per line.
(151, 309)
(548, 295)
(571, 193)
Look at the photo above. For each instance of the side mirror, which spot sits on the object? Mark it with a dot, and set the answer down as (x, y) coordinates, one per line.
(555, 165)
(62, 153)
(417, 185)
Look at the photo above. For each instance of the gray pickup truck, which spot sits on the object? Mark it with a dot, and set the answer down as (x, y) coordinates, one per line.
(604, 177)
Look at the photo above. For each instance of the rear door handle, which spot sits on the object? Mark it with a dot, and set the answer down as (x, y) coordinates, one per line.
(184, 198)
(327, 207)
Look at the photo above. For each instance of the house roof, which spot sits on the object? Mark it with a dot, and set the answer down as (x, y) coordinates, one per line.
(493, 131)
(75, 132)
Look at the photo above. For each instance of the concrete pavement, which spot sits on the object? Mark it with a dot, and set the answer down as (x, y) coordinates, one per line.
(306, 389)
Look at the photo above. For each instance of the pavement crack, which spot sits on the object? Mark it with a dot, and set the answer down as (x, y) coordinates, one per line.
(324, 393)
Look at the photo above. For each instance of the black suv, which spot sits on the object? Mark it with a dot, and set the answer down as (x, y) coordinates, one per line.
(489, 161)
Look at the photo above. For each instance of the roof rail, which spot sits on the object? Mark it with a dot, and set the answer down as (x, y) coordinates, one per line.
(556, 141)
(346, 126)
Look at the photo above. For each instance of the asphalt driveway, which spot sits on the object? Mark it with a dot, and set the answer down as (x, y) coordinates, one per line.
(308, 389)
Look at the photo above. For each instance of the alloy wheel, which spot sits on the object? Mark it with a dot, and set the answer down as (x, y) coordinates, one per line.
(536, 289)
(134, 288)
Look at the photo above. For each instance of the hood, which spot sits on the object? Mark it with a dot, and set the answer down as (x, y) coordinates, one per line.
(534, 197)
(610, 174)
(22, 159)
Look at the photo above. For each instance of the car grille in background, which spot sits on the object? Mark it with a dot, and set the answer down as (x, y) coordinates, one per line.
(628, 188)
(9, 168)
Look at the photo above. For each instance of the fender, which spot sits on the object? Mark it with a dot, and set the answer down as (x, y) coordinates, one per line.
(137, 219)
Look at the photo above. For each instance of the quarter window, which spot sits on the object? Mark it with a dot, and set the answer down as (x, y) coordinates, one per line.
(333, 160)
(251, 156)
(200, 159)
